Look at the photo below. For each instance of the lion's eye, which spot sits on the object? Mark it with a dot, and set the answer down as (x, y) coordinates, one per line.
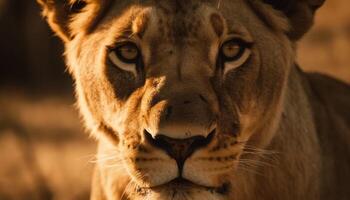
(234, 53)
(231, 50)
(127, 53)
(125, 56)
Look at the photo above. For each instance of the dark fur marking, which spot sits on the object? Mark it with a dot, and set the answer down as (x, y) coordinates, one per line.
(101, 14)
(218, 24)
(109, 132)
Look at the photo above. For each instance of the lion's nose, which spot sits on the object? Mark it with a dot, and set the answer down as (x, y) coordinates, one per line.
(179, 149)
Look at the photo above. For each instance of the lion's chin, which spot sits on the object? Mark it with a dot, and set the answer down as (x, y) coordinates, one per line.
(181, 189)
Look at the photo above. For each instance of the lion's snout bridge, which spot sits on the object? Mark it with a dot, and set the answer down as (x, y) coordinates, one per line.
(181, 115)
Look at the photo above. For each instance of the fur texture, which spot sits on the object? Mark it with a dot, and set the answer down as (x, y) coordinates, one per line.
(279, 133)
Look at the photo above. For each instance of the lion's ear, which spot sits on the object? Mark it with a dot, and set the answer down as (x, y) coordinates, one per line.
(299, 12)
(58, 14)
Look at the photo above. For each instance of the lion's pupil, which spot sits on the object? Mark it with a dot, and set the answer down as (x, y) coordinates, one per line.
(129, 52)
(231, 50)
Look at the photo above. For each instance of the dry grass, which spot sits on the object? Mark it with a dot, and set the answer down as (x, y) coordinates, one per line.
(45, 151)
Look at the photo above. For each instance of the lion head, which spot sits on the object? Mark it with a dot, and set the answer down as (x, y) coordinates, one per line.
(176, 91)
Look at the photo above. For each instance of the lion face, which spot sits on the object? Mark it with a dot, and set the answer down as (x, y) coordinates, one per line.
(175, 92)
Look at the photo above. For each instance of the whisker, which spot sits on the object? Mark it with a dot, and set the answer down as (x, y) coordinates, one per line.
(267, 156)
(249, 170)
(257, 163)
(264, 158)
(125, 189)
(259, 150)
(99, 159)
(115, 166)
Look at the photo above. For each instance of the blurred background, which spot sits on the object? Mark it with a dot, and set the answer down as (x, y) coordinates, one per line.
(44, 151)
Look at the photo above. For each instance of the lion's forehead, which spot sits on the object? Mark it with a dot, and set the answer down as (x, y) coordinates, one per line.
(164, 33)
(172, 24)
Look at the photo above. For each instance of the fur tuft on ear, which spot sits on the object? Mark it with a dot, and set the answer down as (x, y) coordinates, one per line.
(58, 14)
(299, 12)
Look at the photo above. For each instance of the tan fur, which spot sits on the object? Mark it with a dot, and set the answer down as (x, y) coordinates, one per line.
(280, 133)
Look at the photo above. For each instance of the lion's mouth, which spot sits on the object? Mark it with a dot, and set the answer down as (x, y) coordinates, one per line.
(181, 184)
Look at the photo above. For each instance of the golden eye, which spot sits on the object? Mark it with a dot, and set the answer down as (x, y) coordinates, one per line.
(126, 56)
(128, 53)
(234, 53)
(232, 50)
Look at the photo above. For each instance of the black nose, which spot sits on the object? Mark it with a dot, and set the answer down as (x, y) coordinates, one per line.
(179, 149)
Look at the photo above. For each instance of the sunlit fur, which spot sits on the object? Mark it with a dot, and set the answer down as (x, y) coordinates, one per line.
(277, 131)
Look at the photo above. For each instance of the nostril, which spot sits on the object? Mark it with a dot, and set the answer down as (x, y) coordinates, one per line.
(202, 142)
(149, 138)
(159, 141)
(179, 149)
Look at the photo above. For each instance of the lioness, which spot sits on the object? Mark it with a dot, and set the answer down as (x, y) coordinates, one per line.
(202, 99)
